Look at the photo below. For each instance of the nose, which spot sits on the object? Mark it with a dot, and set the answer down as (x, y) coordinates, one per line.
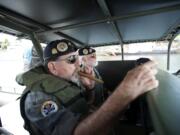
(78, 62)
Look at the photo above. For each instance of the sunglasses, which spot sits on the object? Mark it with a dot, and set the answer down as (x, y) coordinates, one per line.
(71, 59)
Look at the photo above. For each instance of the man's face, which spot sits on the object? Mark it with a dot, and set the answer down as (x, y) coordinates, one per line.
(66, 66)
(90, 59)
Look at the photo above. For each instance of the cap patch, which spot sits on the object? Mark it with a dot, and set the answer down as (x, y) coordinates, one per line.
(57, 48)
(90, 50)
(54, 51)
(62, 47)
(85, 51)
(48, 108)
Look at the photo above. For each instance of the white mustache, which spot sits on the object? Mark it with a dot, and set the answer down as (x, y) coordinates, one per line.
(75, 77)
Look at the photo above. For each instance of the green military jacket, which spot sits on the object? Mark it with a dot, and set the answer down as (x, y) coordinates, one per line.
(66, 101)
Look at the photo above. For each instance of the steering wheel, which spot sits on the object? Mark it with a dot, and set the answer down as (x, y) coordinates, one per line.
(137, 112)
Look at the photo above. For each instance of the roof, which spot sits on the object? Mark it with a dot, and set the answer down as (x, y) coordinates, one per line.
(93, 22)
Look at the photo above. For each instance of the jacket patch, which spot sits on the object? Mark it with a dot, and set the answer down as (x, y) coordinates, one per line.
(48, 107)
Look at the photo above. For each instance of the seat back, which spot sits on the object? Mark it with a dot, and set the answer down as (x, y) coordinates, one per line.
(113, 72)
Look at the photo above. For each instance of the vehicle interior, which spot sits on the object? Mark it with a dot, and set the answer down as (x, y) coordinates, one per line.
(99, 23)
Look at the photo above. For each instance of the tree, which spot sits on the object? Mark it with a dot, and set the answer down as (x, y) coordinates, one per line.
(5, 44)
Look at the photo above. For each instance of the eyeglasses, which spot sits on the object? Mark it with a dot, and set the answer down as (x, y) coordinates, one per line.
(71, 59)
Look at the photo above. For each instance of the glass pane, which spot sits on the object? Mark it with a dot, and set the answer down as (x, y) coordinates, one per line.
(106, 53)
(15, 55)
(175, 55)
(153, 50)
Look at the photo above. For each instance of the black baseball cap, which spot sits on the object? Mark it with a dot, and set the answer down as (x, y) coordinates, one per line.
(86, 51)
(58, 48)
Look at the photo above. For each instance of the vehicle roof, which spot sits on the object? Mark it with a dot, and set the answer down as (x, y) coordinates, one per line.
(94, 22)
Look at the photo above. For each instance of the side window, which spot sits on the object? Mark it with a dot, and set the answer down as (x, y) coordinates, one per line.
(152, 50)
(16, 56)
(175, 55)
(108, 53)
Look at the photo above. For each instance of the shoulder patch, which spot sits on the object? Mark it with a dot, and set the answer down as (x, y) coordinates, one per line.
(48, 107)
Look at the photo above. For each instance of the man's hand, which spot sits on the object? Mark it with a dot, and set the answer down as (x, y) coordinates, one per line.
(140, 80)
(137, 81)
(88, 83)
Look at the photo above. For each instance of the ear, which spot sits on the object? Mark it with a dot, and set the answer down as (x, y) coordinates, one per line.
(52, 68)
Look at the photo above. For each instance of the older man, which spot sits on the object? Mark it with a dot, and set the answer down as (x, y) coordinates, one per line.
(88, 55)
(56, 102)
